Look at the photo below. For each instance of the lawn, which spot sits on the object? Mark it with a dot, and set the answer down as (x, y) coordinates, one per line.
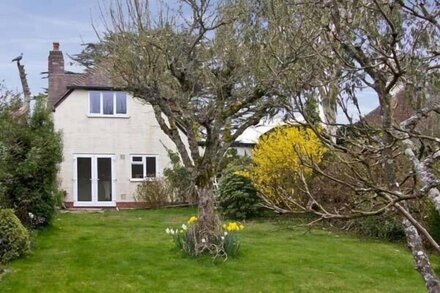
(128, 251)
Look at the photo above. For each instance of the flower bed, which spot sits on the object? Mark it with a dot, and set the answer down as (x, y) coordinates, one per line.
(226, 244)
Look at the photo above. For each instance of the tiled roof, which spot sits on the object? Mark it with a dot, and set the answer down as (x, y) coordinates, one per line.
(94, 78)
(402, 106)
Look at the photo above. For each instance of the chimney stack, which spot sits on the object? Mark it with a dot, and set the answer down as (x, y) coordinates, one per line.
(56, 74)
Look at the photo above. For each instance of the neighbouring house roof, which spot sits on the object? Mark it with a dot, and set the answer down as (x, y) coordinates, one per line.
(252, 134)
(402, 106)
(249, 138)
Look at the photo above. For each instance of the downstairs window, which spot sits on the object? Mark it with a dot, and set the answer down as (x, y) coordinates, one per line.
(143, 167)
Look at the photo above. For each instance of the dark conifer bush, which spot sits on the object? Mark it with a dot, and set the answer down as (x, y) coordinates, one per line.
(236, 196)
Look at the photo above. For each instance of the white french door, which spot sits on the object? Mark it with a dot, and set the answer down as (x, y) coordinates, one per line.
(94, 180)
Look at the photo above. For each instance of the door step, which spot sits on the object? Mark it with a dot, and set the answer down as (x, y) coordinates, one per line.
(84, 210)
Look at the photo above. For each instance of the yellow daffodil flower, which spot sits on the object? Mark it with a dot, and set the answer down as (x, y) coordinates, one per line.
(233, 226)
(192, 220)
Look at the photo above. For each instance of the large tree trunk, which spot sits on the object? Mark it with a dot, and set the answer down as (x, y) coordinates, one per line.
(423, 265)
(208, 219)
(424, 175)
(209, 227)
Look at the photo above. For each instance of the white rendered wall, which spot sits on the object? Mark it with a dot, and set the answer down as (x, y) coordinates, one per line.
(139, 133)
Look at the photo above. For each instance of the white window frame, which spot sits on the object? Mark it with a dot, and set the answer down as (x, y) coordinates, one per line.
(101, 105)
(144, 164)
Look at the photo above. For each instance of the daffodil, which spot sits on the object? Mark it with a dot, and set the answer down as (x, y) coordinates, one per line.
(233, 226)
(192, 220)
(184, 227)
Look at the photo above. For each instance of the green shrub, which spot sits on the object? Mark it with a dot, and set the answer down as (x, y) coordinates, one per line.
(154, 194)
(30, 151)
(385, 227)
(236, 196)
(14, 237)
(179, 180)
(433, 221)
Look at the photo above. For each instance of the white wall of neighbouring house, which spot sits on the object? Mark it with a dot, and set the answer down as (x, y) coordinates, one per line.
(243, 151)
(138, 133)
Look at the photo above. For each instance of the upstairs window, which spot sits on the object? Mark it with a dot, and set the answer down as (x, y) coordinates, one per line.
(107, 103)
(143, 167)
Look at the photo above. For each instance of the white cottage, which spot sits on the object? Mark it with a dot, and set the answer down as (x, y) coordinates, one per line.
(111, 141)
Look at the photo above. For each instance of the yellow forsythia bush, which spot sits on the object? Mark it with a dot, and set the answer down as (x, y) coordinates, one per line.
(276, 165)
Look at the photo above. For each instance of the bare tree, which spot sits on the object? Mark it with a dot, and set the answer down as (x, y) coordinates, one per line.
(201, 72)
(390, 47)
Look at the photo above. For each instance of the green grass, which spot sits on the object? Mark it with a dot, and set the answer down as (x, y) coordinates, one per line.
(128, 251)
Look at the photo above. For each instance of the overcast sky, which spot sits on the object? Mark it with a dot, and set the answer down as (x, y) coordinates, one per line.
(30, 27)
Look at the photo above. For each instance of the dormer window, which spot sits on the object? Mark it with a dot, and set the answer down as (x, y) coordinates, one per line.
(107, 103)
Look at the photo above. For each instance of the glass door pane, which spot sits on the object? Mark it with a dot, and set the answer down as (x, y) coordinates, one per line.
(84, 179)
(104, 179)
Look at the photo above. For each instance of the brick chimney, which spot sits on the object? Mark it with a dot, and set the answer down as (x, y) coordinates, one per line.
(56, 75)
